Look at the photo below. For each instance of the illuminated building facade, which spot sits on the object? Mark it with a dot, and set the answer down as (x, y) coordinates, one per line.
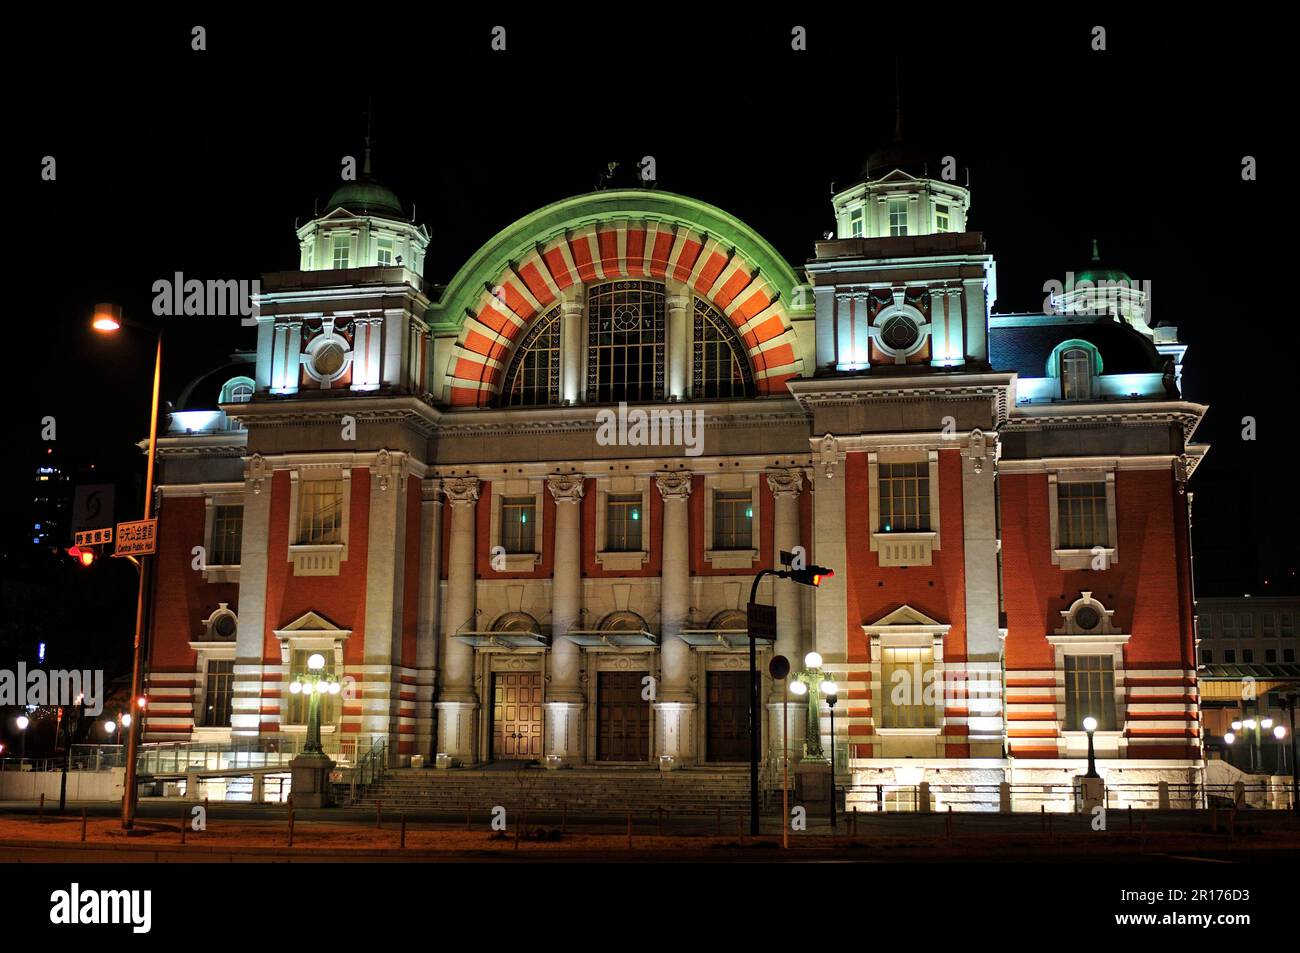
(459, 495)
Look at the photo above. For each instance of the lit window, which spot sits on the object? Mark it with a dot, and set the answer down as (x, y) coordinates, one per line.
(518, 517)
(897, 217)
(342, 248)
(623, 523)
(904, 498)
(385, 252)
(941, 218)
(907, 680)
(1076, 373)
(218, 692)
(1089, 691)
(299, 701)
(534, 374)
(227, 535)
(625, 342)
(1081, 515)
(720, 368)
(855, 223)
(320, 512)
(733, 519)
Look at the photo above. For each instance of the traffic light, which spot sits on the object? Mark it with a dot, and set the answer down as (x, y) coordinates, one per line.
(84, 556)
(809, 576)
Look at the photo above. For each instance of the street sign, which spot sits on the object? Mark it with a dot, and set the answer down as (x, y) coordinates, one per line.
(137, 538)
(93, 537)
(760, 620)
(92, 506)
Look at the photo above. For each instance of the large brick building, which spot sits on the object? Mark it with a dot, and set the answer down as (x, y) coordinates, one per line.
(455, 494)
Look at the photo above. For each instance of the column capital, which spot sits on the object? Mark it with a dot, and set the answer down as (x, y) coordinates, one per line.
(566, 487)
(461, 490)
(785, 483)
(674, 485)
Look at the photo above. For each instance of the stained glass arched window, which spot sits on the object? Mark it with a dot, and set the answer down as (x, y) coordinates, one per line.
(719, 365)
(533, 377)
(625, 342)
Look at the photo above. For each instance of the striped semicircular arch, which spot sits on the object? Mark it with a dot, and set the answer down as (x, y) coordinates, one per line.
(601, 237)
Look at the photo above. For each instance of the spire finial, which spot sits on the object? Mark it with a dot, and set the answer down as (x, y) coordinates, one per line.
(1096, 256)
(365, 165)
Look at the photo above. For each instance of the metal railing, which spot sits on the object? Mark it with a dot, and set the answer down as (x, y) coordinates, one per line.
(1062, 797)
(186, 756)
(366, 770)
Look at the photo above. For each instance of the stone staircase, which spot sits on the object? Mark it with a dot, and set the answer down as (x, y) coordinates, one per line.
(579, 791)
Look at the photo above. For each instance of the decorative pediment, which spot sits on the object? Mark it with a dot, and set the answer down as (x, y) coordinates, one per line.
(905, 617)
(311, 623)
(1087, 619)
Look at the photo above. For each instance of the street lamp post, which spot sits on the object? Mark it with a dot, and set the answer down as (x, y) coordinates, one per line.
(311, 769)
(832, 692)
(22, 722)
(1289, 703)
(1090, 726)
(108, 319)
(1279, 733)
(811, 679)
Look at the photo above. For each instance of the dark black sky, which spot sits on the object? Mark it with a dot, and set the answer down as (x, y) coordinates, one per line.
(171, 160)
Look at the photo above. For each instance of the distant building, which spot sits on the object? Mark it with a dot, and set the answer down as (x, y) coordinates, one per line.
(446, 492)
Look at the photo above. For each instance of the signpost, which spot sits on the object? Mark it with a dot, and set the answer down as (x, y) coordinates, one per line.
(137, 538)
(779, 668)
(93, 537)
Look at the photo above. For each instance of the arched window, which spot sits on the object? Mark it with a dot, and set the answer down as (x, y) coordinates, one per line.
(625, 621)
(720, 368)
(237, 390)
(1076, 373)
(534, 374)
(516, 622)
(625, 342)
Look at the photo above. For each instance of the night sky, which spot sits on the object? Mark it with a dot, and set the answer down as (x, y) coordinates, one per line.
(172, 160)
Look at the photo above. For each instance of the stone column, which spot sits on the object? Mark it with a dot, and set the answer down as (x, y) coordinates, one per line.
(983, 683)
(786, 485)
(427, 636)
(385, 577)
(457, 700)
(679, 337)
(976, 324)
(564, 699)
(830, 603)
(674, 699)
(571, 363)
(246, 704)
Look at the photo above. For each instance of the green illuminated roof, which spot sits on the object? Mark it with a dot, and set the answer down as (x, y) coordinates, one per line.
(366, 196)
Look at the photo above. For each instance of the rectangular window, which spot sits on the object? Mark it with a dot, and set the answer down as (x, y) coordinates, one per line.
(907, 680)
(733, 519)
(1270, 655)
(855, 223)
(1205, 626)
(217, 693)
(1270, 625)
(385, 252)
(1089, 691)
(1246, 625)
(904, 497)
(1248, 656)
(1230, 656)
(227, 535)
(1229, 625)
(1207, 657)
(897, 217)
(1288, 655)
(941, 218)
(342, 249)
(518, 519)
(299, 701)
(623, 523)
(1288, 625)
(320, 512)
(1081, 515)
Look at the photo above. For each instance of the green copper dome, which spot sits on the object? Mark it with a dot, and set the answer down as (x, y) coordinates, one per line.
(366, 197)
(1096, 272)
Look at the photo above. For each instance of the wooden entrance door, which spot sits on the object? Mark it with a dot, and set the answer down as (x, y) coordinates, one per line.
(516, 715)
(728, 733)
(622, 717)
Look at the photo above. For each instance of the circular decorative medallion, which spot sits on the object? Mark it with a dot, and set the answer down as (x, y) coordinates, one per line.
(328, 360)
(898, 333)
(626, 317)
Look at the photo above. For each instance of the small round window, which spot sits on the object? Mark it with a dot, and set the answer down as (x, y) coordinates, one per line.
(224, 626)
(1087, 617)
